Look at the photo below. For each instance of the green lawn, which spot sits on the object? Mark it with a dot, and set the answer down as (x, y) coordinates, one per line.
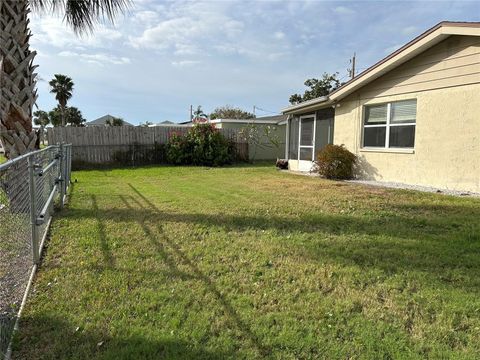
(249, 262)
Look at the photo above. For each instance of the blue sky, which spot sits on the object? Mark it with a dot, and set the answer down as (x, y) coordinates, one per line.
(163, 56)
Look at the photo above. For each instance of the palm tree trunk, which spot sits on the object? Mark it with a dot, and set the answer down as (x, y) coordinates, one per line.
(62, 112)
(17, 80)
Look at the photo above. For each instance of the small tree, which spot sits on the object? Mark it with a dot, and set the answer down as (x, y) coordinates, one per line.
(40, 118)
(263, 137)
(115, 121)
(230, 112)
(318, 88)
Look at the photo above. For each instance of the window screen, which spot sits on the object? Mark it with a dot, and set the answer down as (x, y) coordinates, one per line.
(390, 125)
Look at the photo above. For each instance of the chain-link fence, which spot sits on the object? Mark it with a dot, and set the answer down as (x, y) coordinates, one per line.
(30, 185)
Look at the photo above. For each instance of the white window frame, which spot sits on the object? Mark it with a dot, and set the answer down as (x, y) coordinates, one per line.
(388, 125)
(314, 116)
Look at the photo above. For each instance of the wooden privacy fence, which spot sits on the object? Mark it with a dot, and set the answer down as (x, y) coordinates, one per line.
(127, 145)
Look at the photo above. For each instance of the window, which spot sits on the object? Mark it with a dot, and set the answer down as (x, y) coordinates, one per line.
(390, 125)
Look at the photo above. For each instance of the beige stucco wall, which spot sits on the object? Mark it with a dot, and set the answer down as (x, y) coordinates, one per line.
(447, 139)
(445, 80)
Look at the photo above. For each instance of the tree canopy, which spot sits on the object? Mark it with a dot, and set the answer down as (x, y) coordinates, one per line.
(317, 88)
(82, 15)
(230, 112)
(73, 116)
(115, 121)
(40, 118)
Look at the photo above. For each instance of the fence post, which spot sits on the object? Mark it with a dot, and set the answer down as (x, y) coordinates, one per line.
(33, 209)
(61, 177)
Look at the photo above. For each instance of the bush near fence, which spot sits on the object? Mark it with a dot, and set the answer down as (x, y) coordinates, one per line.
(29, 186)
(127, 145)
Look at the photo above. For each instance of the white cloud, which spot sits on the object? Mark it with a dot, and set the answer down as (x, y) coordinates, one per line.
(52, 31)
(343, 10)
(98, 59)
(146, 17)
(185, 63)
(279, 35)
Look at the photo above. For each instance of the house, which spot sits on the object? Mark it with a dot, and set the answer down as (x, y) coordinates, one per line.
(264, 150)
(413, 117)
(163, 123)
(102, 121)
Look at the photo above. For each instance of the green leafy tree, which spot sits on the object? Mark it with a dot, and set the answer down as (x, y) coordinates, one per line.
(115, 121)
(146, 124)
(317, 88)
(230, 112)
(40, 118)
(202, 144)
(18, 90)
(62, 87)
(73, 117)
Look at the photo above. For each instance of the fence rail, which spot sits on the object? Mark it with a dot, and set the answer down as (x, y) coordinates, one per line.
(29, 187)
(127, 145)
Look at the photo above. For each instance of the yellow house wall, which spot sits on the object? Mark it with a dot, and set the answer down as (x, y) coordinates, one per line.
(447, 135)
(447, 140)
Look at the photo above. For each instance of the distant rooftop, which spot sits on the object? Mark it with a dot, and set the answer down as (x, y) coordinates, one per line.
(102, 121)
(273, 119)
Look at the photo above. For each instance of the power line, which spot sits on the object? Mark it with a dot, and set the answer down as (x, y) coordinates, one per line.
(265, 111)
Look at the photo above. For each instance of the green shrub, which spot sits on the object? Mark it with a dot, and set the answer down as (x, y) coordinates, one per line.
(335, 162)
(203, 144)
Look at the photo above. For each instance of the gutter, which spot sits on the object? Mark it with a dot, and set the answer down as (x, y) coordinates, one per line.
(313, 104)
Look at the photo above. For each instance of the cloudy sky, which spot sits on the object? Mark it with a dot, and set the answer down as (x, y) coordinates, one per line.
(163, 56)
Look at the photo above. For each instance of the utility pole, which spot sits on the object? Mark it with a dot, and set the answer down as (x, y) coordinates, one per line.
(352, 70)
(191, 112)
(254, 110)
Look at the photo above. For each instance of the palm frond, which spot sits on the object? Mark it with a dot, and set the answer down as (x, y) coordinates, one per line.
(83, 15)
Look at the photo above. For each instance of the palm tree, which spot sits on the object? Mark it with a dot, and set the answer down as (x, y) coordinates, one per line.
(41, 119)
(62, 87)
(199, 116)
(18, 88)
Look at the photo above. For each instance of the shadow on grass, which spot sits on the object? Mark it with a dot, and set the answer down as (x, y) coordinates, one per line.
(65, 342)
(106, 252)
(427, 238)
(198, 274)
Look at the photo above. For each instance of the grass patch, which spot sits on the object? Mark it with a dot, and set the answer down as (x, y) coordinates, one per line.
(248, 262)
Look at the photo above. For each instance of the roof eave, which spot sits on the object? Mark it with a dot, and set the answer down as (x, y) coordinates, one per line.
(421, 43)
(307, 105)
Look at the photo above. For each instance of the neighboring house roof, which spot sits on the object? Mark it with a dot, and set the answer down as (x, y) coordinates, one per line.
(163, 123)
(102, 121)
(418, 45)
(259, 120)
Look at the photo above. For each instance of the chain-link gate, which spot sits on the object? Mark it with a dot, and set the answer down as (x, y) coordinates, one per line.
(30, 185)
